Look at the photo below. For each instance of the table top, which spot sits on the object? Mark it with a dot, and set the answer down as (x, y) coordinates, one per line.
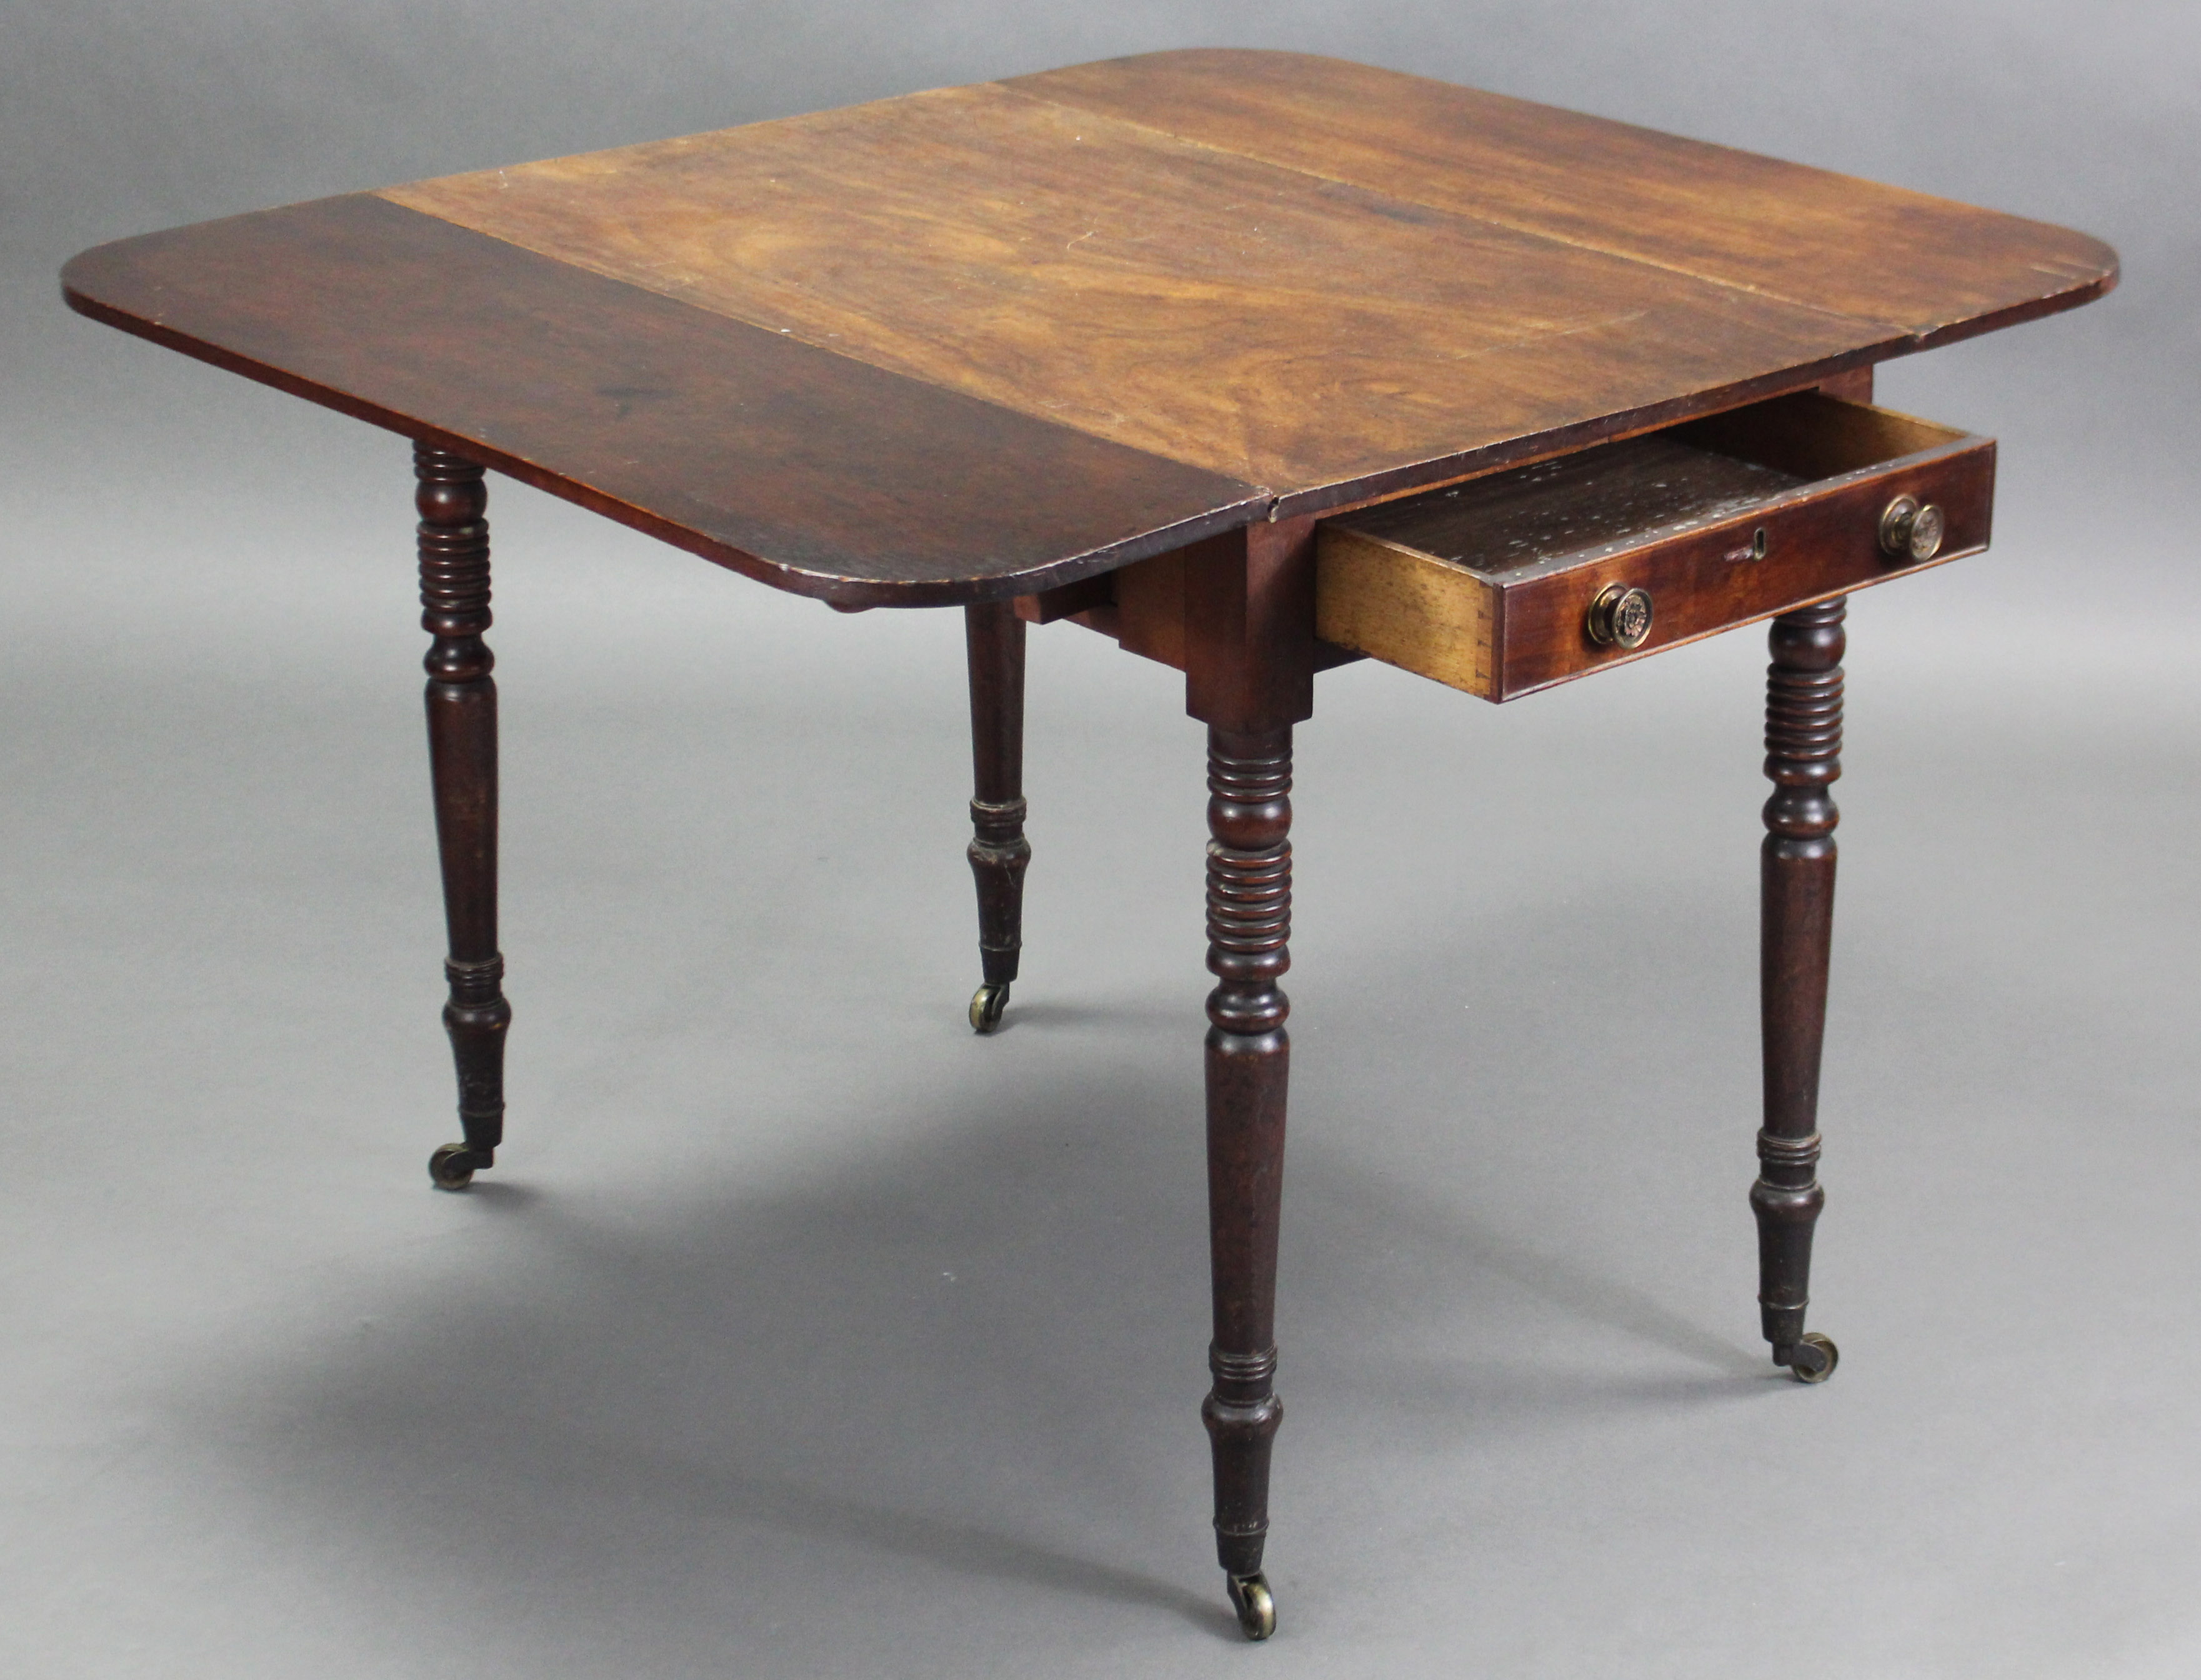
(980, 341)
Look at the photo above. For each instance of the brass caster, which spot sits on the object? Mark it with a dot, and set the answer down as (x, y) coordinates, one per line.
(1813, 1360)
(986, 1006)
(1257, 1609)
(452, 1167)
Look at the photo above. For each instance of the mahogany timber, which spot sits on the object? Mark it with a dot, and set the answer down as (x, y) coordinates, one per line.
(1142, 607)
(1050, 606)
(805, 469)
(1756, 512)
(984, 342)
(1803, 760)
(1249, 643)
(1817, 437)
(1928, 269)
(1149, 599)
(1248, 1065)
(1250, 658)
(994, 637)
(461, 704)
(1210, 308)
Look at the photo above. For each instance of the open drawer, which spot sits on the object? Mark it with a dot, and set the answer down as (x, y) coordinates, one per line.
(1527, 578)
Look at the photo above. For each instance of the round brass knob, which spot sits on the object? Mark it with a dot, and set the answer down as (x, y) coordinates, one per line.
(1910, 531)
(1620, 617)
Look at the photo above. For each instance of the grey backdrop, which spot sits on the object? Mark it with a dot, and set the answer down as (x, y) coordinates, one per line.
(801, 1333)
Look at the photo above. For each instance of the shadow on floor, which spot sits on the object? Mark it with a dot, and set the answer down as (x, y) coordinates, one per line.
(981, 1353)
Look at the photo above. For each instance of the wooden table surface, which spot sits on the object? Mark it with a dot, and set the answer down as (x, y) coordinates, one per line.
(973, 343)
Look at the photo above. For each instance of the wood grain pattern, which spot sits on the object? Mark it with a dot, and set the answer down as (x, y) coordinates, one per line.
(811, 471)
(1288, 332)
(1405, 608)
(1927, 267)
(988, 341)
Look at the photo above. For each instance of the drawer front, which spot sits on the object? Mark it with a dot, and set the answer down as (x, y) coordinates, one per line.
(1490, 586)
(1821, 543)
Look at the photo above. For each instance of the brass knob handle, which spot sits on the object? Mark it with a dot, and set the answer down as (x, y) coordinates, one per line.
(1909, 530)
(1620, 617)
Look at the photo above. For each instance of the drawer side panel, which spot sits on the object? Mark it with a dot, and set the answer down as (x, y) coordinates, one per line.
(1406, 609)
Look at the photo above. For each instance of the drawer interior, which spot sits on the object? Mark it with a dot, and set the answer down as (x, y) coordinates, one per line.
(1558, 513)
(1489, 586)
(1547, 517)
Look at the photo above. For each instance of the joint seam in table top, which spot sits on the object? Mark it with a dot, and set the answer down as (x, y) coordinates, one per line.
(1909, 339)
(2085, 281)
(743, 295)
(1904, 335)
(1907, 334)
(575, 211)
(1325, 391)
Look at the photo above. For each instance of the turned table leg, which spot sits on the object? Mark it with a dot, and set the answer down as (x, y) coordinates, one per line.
(999, 852)
(1803, 748)
(1249, 906)
(461, 703)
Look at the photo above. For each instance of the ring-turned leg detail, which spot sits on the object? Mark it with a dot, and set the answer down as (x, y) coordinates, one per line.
(461, 707)
(1249, 880)
(999, 853)
(1803, 748)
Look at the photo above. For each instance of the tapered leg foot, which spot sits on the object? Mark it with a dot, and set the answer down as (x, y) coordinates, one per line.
(1803, 748)
(999, 853)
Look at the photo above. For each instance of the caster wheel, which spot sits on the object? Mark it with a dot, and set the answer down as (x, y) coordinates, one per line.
(1815, 1359)
(1256, 1608)
(986, 1006)
(452, 1167)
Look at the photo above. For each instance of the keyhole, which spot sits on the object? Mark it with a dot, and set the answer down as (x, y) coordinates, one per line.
(1754, 550)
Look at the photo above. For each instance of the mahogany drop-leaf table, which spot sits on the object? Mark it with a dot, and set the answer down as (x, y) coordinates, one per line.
(1257, 363)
